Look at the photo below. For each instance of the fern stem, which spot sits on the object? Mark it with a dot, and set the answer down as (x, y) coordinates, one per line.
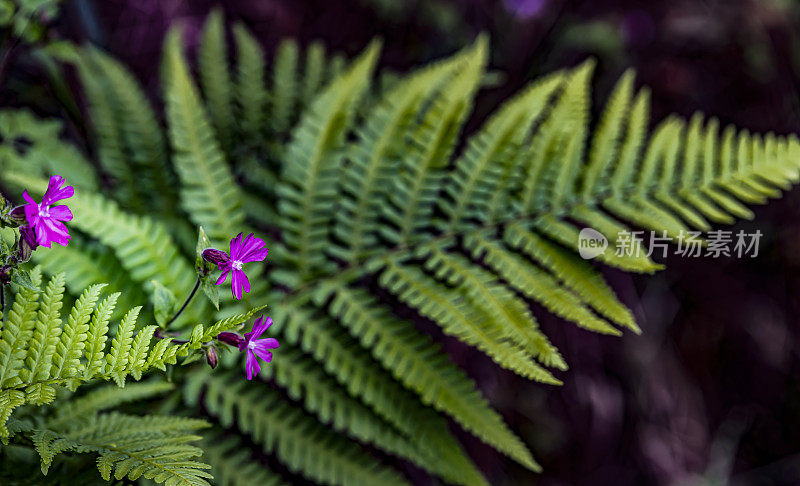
(189, 299)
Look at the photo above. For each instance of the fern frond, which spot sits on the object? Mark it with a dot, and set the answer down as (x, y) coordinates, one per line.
(208, 192)
(298, 441)
(419, 363)
(73, 338)
(47, 330)
(251, 94)
(374, 159)
(414, 192)
(140, 131)
(312, 166)
(451, 310)
(44, 153)
(233, 465)
(150, 447)
(284, 91)
(72, 353)
(17, 332)
(215, 77)
(480, 180)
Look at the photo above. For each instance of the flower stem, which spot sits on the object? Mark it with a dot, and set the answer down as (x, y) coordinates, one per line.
(2, 305)
(189, 299)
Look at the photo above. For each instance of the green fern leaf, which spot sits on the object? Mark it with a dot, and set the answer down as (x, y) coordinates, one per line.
(208, 192)
(69, 350)
(118, 356)
(17, 332)
(251, 94)
(312, 165)
(215, 78)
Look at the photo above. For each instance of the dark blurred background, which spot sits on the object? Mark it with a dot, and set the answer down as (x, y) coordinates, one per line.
(710, 393)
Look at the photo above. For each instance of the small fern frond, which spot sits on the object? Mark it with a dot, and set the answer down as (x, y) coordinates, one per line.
(71, 353)
(151, 447)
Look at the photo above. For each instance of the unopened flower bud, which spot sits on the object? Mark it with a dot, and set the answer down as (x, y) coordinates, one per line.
(17, 215)
(231, 338)
(5, 274)
(27, 243)
(217, 257)
(211, 357)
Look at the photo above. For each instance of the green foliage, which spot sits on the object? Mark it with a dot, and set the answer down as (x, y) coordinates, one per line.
(368, 210)
(41, 351)
(128, 446)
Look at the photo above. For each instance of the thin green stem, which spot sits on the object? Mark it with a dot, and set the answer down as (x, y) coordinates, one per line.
(189, 299)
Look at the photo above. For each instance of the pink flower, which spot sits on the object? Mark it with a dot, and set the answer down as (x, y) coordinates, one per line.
(257, 347)
(251, 249)
(46, 220)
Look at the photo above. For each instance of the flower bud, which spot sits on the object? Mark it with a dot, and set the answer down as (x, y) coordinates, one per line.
(27, 244)
(17, 215)
(5, 274)
(217, 257)
(211, 357)
(231, 338)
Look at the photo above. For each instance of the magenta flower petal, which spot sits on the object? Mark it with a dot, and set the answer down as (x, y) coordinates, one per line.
(237, 284)
(46, 221)
(258, 347)
(221, 279)
(61, 213)
(236, 246)
(259, 326)
(267, 343)
(262, 353)
(251, 365)
(253, 249)
(55, 192)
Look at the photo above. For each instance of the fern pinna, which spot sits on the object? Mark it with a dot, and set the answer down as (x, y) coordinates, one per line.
(373, 208)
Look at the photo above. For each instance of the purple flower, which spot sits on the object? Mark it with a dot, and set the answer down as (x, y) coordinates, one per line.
(250, 249)
(257, 347)
(46, 220)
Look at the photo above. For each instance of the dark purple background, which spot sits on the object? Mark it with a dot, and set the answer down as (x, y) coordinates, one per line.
(711, 390)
